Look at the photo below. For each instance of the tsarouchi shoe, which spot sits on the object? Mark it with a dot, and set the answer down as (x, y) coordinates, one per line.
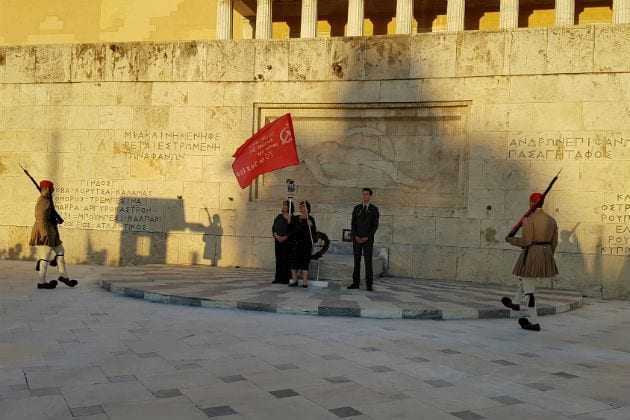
(68, 282)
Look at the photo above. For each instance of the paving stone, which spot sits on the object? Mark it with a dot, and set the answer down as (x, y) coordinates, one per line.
(284, 393)
(232, 378)
(381, 369)
(565, 375)
(540, 386)
(90, 410)
(338, 380)
(167, 393)
(439, 383)
(286, 366)
(42, 392)
(332, 357)
(506, 399)
(504, 362)
(418, 359)
(122, 379)
(345, 412)
(219, 411)
(450, 351)
(467, 415)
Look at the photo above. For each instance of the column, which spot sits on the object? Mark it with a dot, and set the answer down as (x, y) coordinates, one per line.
(509, 14)
(621, 11)
(455, 10)
(355, 18)
(404, 16)
(263, 19)
(565, 12)
(224, 19)
(308, 28)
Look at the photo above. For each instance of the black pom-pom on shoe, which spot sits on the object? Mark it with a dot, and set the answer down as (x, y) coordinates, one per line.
(526, 325)
(507, 302)
(68, 282)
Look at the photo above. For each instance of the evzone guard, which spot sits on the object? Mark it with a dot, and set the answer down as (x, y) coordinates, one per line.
(45, 237)
(536, 261)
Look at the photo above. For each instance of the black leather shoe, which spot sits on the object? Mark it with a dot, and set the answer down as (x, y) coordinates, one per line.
(353, 286)
(293, 284)
(369, 289)
(507, 302)
(526, 325)
(49, 285)
(68, 282)
(276, 282)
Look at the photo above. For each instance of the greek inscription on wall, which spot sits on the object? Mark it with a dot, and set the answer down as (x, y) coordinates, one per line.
(108, 205)
(167, 145)
(566, 147)
(616, 214)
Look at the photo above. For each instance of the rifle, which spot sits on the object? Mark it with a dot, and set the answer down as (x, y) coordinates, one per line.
(533, 208)
(57, 218)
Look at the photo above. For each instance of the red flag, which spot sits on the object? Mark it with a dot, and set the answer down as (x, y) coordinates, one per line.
(271, 148)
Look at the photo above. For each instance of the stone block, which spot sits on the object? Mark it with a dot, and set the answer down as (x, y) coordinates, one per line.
(494, 231)
(400, 90)
(604, 176)
(488, 117)
(150, 117)
(494, 89)
(155, 61)
(86, 117)
(481, 53)
(435, 262)
(606, 115)
(546, 116)
(612, 45)
(187, 118)
(446, 89)
(575, 206)
(570, 49)
(233, 197)
(52, 63)
(206, 94)
(309, 59)
(116, 117)
(189, 61)
(458, 232)
(484, 266)
(174, 93)
(272, 61)
(347, 58)
(387, 57)
(433, 55)
(121, 62)
(527, 51)
(414, 230)
(88, 62)
(230, 60)
(400, 260)
(18, 64)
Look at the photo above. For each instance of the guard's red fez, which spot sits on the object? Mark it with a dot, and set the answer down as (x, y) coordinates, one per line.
(46, 184)
(535, 197)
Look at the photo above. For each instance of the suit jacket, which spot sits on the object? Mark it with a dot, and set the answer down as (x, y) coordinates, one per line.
(365, 222)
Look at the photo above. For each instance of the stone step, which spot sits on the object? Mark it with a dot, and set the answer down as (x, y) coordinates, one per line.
(335, 269)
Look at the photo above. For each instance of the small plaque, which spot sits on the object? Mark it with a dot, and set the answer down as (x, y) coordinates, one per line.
(346, 235)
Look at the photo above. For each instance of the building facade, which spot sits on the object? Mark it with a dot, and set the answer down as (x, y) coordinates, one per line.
(452, 129)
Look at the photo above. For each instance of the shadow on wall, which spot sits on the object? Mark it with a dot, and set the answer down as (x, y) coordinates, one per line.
(149, 230)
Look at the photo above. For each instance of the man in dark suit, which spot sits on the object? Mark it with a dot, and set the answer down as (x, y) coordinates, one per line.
(364, 224)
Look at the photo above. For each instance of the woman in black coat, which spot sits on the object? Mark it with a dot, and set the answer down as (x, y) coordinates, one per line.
(280, 232)
(302, 230)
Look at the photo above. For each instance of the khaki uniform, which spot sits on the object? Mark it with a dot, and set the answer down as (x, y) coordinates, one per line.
(539, 243)
(45, 236)
(45, 232)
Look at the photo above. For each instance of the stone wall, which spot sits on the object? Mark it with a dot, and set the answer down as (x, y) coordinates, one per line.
(453, 131)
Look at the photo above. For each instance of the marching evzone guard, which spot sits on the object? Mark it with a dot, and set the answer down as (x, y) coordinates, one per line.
(539, 242)
(45, 236)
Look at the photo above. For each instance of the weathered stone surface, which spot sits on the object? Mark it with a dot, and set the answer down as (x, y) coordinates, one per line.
(347, 58)
(189, 61)
(527, 51)
(612, 44)
(570, 50)
(121, 62)
(481, 53)
(387, 57)
(230, 60)
(272, 61)
(433, 55)
(309, 59)
(155, 62)
(18, 64)
(88, 62)
(52, 63)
